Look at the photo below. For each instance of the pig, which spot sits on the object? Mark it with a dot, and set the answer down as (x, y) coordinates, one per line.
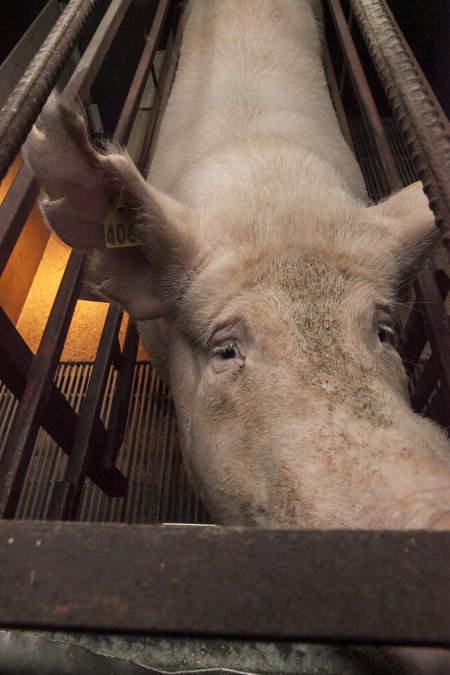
(266, 288)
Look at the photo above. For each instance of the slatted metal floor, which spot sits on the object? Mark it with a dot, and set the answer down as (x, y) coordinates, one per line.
(158, 487)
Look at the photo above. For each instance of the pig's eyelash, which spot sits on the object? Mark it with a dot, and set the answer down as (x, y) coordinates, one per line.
(224, 348)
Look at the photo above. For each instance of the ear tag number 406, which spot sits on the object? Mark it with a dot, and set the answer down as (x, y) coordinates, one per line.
(120, 228)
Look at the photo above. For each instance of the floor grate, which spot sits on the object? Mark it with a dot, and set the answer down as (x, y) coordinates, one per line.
(158, 487)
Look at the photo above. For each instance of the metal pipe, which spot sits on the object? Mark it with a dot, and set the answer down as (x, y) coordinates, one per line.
(23, 105)
(416, 109)
(86, 71)
(36, 395)
(355, 70)
(136, 90)
(24, 190)
(337, 586)
(66, 493)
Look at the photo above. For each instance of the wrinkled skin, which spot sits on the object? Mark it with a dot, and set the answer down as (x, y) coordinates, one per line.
(314, 362)
(266, 292)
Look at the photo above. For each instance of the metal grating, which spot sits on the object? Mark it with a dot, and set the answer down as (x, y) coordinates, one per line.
(158, 487)
(368, 160)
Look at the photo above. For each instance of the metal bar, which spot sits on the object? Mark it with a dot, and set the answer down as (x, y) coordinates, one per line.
(365, 98)
(416, 109)
(24, 190)
(23, 105)
(36, 395)
(66, 493)
(94, 55)
(165, 89)
(336, 98)
(156, 103)
(121, 399)
(437, 324)
(362, 587)
(424, 386)
(135, 92)
(16, 359)
(14, 211)
(415, 334)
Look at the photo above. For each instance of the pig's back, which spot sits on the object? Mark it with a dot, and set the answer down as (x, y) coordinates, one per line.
(249, 68)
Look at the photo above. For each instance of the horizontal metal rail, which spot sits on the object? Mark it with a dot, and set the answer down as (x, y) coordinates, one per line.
(362, 587)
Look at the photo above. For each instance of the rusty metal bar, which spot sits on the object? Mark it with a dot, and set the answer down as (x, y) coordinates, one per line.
(136, 90)
(121, 399)
(347, 586)
(23, 105)
(14, 211)
(416, 109)
(59, 418)
(437, 324)
(391, 174)
(66, 493)
(24, 190)
(18, 204)
(88, 67)
(336, 98)
(15, 360)
(156, 103)
(36, 395)
(165, 87)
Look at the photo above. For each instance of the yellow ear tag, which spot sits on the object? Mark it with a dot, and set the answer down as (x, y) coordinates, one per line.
(411, 185)
(120, 227)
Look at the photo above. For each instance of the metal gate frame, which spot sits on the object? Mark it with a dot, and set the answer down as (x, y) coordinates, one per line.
(353, 586)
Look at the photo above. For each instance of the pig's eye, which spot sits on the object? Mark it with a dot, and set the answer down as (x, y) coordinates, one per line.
(388, 335)
(227, 356)
(228, 350)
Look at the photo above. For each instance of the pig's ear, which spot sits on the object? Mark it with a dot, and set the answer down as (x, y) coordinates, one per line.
(408, 222)
(80, 185)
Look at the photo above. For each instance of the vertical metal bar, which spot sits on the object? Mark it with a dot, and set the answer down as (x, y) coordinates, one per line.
(121, 399)
(36, 394)
(22, 107)
(24, 190)
(159, 86)
(94, 55)
(416, 109)
(367, 103)
(336, 98)
(438, 327)
(66, 493)
(136, 90)
(14, 211)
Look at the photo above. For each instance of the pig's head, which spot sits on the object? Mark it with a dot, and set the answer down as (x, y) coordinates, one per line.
(281, 314)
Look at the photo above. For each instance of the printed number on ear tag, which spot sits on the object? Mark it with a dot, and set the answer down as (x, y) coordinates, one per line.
(120, 228)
